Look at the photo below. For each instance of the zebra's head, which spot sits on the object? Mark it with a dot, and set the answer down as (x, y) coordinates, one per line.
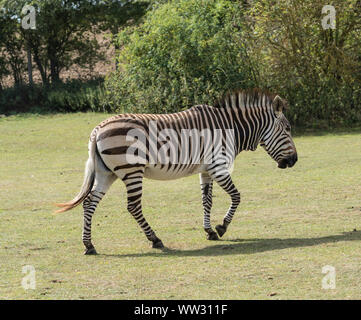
(277, 139)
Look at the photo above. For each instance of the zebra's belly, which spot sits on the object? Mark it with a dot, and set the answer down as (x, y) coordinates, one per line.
(171, 172)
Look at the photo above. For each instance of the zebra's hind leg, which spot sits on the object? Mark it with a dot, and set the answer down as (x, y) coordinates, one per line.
(206, 183)
(133, 182)
(103, 180)
(223, 178)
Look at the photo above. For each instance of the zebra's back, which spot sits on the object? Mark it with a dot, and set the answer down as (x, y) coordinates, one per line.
(160, 139)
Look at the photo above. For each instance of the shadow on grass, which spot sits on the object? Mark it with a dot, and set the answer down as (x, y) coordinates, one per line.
(245, 246)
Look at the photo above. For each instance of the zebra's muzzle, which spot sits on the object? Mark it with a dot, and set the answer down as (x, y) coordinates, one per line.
(288, 162)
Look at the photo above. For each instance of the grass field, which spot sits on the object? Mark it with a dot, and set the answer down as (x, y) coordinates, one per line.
(291, 223)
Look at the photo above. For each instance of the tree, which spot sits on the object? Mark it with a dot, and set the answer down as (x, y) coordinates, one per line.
(113, 15)
(65, 30)
(63, 35)
(11, 46)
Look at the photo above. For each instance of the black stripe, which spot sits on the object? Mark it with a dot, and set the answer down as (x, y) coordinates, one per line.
(128, 175)
(128, 166)
(113, 132)
(116, 150)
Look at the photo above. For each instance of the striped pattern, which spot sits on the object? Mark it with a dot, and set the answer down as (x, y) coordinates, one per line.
(252, 117)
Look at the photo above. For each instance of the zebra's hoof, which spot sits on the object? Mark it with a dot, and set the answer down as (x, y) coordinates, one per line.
(158, 244)
(212, 236)
(221, 230)
(90, 251)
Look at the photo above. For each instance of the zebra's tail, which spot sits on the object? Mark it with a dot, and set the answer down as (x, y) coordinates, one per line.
(87, 183)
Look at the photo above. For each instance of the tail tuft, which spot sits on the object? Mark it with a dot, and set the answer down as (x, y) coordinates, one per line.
(67, 205)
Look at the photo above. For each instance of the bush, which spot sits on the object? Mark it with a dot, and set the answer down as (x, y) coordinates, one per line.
(187, 52)
(71, 96)
(77, 96)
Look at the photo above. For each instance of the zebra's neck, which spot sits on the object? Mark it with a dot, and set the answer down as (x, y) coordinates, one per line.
(251, 116)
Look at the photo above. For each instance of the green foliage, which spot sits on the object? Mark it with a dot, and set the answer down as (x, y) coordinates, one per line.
(11, 45)
(113, 14)
(77, 96)
(317, 70)
(185, 53)
(60, 97)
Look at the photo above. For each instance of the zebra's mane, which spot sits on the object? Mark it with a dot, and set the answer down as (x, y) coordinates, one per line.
(251, 98)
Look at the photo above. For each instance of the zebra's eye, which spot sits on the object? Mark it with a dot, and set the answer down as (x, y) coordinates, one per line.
(288, 128)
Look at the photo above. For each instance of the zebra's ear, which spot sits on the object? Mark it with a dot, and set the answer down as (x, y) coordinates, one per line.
(279, 104)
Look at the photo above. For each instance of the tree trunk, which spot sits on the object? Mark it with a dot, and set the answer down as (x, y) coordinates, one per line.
(40, 66)
(54, 70)
(16, 74)
(30, 67)
(116, 46)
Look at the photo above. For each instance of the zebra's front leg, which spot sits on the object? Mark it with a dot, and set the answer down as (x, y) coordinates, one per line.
(223, 178)
(206, 183)
(133, 183)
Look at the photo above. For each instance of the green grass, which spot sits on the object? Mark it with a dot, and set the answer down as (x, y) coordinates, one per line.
(290, 223)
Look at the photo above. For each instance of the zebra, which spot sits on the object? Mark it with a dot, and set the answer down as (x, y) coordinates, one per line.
(255, 117)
